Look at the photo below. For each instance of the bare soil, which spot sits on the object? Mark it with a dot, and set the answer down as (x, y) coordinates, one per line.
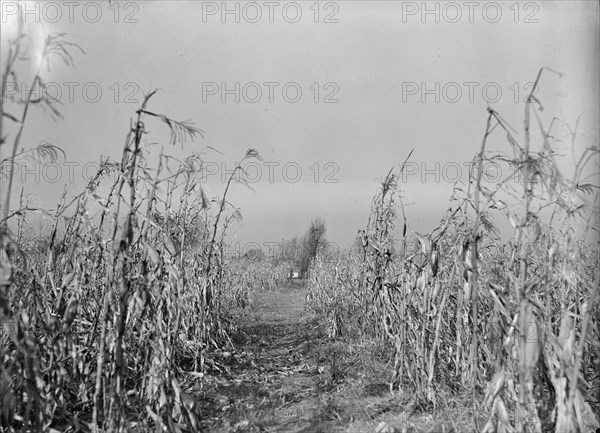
(285, 375)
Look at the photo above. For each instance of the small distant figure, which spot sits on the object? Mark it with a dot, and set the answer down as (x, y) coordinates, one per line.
(294, 274)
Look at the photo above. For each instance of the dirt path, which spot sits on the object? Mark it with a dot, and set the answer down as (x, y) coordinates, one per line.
(274, 381)
(286, 377)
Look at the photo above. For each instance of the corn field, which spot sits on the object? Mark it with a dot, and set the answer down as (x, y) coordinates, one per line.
(515, 319)
(111, 317)
(105, 314)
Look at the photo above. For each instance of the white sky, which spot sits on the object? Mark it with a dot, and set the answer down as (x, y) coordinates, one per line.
(369, 56)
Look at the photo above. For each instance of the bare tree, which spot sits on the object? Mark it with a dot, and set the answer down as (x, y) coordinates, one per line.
(313, 239)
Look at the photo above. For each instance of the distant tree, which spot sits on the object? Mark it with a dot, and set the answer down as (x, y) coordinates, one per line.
(255, 254)
(295, 249)
(289, 250)
(312, 241)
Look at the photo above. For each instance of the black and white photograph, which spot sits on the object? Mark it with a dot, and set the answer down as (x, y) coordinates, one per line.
(309, 216)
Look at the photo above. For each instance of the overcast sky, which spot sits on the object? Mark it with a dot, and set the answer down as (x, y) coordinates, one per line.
(332, 94)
